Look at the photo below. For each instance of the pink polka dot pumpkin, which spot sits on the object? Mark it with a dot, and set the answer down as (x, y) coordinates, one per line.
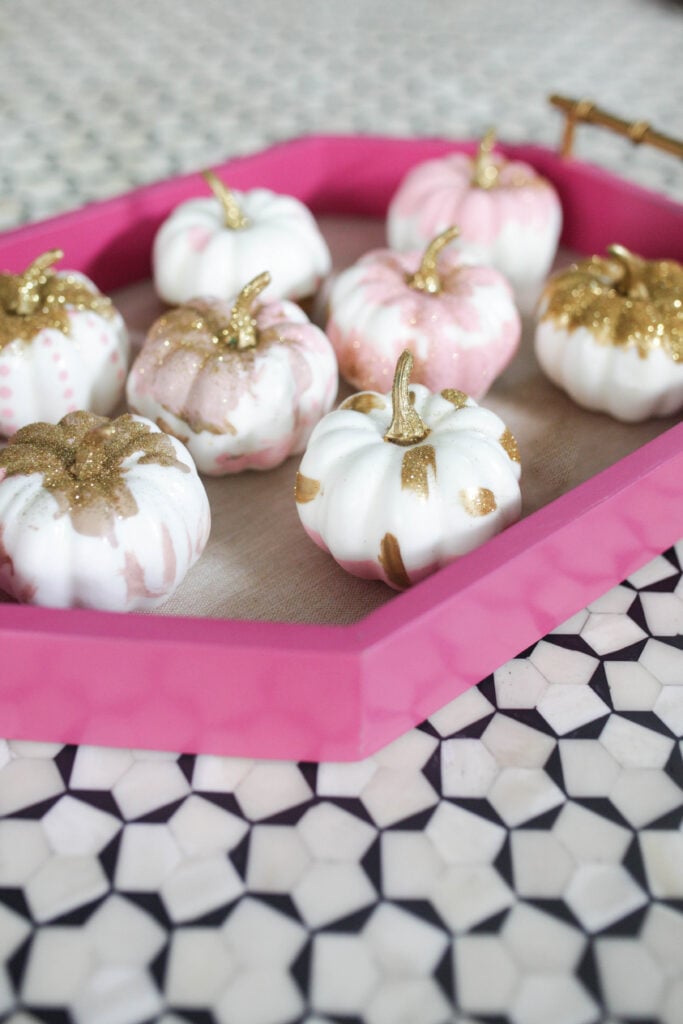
(508, 214)
(458, 320)
(63, 346)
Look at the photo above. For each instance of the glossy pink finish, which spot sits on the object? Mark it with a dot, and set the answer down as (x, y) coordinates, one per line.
(334, 693)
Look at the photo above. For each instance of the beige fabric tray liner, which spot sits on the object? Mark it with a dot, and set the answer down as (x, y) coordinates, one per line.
(259, 563)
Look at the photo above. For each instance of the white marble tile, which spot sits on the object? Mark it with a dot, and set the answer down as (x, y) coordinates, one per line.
(663, 661)
(331, 833)
(258, 935)
(539, 942)
(201, 827)
(411, 750)
(344, 974)
(7, 1000)
(466, 894)
(662, 935)
(200, 965)
(541, 865)
(519, 684)
(278, 858)
(5, 753)
(23, 849)
(408, 1001)
(329, 891)
(57, 968)
(117, 995)
(600, 894)
(120, 933)
(403, 944)
(516, 745)
(344, 779)
(74, 827)
(663, 859)
(25, 781)
(657, 569)
(147, 856)
(13, 930)
(28, 748)
(393, 794)
(259, 996)
(270, 787)
(644, 795)
(521, 794)
(486, 973)
(663, 613)
(561, 665)
(64, 883)
(462, 837)
(552, 997)
(634, 746)
(467, 768)
(588, 768)
(198, 886)
(672, 1005)
(410, 865)
(568, 707)
(669, 708)
(589, 837)
(219, 774)
(99, 767)
(605, 632)
(617, 600)
(631, 686)
(469, 707)
(631, 979)
(147, 785)
(573, 624)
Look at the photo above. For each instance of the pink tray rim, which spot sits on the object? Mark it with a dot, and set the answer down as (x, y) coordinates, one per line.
(323, 692)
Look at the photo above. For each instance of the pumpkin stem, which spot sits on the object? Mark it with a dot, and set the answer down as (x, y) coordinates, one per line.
(426, 277)
(485, 172)
(631, 282)
(242, 329)
(406, 425)
(25, 296)
(232, 215)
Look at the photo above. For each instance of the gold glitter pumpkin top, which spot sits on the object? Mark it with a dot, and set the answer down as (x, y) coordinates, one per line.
(81, 461)
(624, 301)
(39, 299)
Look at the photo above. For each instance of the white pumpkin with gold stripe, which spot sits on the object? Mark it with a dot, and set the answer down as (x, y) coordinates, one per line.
(396, 486)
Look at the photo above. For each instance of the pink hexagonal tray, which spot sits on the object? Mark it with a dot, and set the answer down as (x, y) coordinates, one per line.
(305, 690)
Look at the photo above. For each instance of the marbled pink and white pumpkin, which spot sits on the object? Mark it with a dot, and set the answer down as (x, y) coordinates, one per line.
(458, 320)
(242, 385)
(508, 214)
(98, 513)
(63, 346)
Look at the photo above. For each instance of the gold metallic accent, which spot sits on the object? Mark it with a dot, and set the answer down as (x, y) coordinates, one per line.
(168, 429)
(39, 299)
(406, 425)
(305, 489)
(233, 217)
(508, 442)
(242, 327)
(81, 461)
(577, 111)
(391, 560)
(478, 501)
(415, 468)
(426, 277)
(624, 301)
(485, 172)
(455, 397)
(364, 401)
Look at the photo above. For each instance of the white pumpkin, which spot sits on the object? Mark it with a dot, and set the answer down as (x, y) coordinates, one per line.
(215, 246)
(98, 513)
(508, 214)
(610, 334)
(63, 346)
(242, 385)
(396, 486)
(458, 320)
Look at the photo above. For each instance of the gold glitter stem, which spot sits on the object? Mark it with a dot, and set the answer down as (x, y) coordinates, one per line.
(27, 297)
(426, 277)
(631, 283)
(232, 214)
(585, 111)
(406, 425)
(242, 329)
(485, 172)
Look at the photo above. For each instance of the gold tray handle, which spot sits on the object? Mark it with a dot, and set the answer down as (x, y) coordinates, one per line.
(586, 112)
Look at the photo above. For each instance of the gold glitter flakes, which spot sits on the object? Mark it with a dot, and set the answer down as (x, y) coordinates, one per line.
(455, 397)
(391, 560)
(508, 441)
(305, 489)
(364, 402)
(415, 468)
(478, 501)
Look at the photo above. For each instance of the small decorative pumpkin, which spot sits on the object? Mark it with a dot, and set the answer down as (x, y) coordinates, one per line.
(396, 486)
(459, 321)
(63, 346)
(215, 246)
(241, 387)
(98, 513)
(509, 216)
(610, 334)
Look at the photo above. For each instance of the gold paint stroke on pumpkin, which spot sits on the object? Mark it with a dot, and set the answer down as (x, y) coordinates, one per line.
(39, 299)
(508, 442)
(364, 402)
(305, 488)
(478, 501)
(624, 301)
(455, 397)
(81, 461)
(391, 560)
(415, 468)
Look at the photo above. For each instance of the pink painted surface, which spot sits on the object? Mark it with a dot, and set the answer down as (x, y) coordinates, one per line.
(309, 692)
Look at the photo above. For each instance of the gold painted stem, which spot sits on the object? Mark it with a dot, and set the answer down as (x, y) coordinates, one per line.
(406, 425)
(242, 328)
(232, 214)
(426, 277)
(631, 283)
(27, 297)
(485, 171)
